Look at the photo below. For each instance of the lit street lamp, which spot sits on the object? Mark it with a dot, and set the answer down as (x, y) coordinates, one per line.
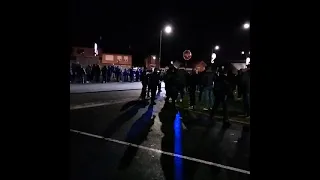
(242, 52)
(213, 57)
(153, 57)
(217, 47)
(167, 30)
(246, 25)
(247, 60)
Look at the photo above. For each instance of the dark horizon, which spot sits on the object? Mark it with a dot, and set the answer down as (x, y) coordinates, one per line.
(197, 26)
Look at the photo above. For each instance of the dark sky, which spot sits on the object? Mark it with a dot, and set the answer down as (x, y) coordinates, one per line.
(197, 25)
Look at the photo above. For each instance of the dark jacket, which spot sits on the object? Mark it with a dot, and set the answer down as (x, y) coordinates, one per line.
(154, 80)
(245, 81)
(207, 78)
(144, 78)
(182, 77)
(193, 80)
(221, 84)
(170, 79)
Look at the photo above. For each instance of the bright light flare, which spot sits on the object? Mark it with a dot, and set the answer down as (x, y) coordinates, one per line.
(246, 25)
(168, 29)
(213, 57)
(247, 61)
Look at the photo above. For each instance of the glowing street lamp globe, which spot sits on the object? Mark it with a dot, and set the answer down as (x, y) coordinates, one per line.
(246, 25)
(168, 29)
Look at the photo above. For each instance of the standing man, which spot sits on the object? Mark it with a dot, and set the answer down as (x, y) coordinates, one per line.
(161, 79)
(171, 80)
(221, 90)
(154, 81)
(193, 81)
(207, 94)
(131, 75)
(104, 74)
(137, 75)
(89, 74)
(201, 84)
(182, 74)
(245, 81)
(144, 82)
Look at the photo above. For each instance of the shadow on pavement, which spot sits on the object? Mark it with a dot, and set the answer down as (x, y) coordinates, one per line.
(117, 123)
(191, 118)
(136, 135)
(209, 145)
(174, 168)
(129, 104)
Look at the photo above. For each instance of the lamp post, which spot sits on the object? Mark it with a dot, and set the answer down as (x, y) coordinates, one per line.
(167, 30)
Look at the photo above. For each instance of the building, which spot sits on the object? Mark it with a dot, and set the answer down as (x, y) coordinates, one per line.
(152, 62)
(120, 60)
(199, 66)
(85, 56)
(192, 64)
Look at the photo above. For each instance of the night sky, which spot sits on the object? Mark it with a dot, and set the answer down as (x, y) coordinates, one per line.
(133, 27)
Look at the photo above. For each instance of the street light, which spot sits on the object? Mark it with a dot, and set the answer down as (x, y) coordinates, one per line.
(246, 25)
(168, 30)
(217, 47)
(242, 52)
(247, 61)
(213, 57)
(153, 57)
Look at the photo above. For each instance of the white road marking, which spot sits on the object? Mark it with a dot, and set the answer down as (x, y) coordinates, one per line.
(90, 105)
(163, 152)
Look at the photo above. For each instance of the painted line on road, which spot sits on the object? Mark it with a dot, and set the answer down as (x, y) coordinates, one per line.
(90, 105)
(163, 152)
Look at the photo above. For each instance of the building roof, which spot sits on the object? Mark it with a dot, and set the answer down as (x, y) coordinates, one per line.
(190, 63)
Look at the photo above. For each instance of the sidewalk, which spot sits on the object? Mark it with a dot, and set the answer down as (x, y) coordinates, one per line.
(113, 86)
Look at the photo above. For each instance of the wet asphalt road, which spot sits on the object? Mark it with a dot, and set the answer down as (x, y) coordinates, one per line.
(158, 127)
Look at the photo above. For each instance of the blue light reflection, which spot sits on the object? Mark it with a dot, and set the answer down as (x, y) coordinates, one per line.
(178, 164)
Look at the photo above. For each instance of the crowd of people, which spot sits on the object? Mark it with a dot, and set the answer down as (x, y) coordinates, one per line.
(97, 74)
(215, 87)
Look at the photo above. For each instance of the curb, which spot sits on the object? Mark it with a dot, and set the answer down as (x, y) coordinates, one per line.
(108, 91)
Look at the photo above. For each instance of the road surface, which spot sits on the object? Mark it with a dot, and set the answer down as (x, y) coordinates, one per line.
(114, 136)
